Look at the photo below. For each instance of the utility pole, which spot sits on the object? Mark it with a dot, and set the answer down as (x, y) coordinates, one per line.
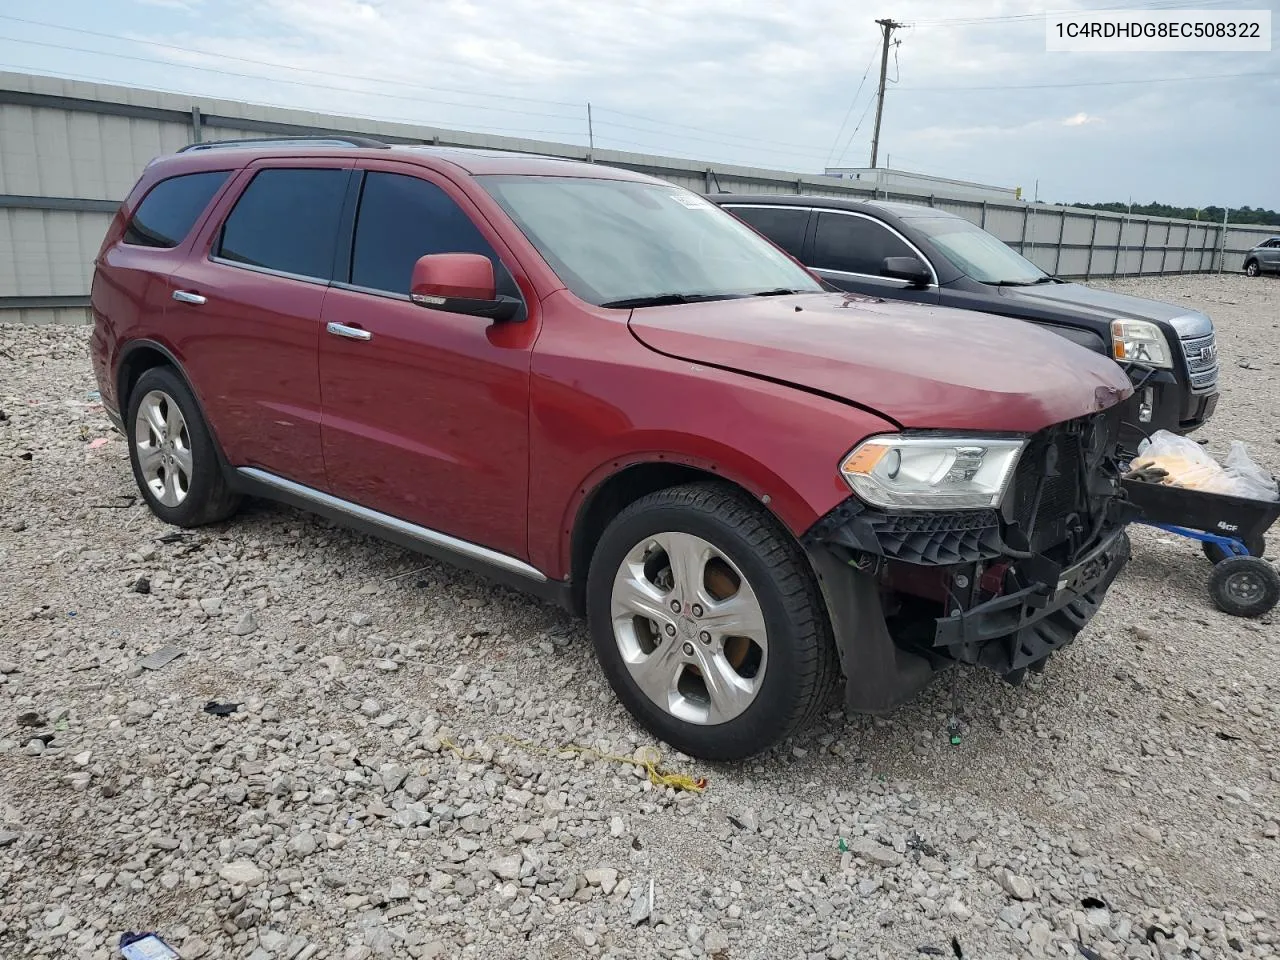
(1222, 254)
(591, 136)
(887, 27)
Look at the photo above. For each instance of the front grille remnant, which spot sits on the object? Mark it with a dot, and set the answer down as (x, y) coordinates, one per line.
(1057, 460)
(1202, 361)
(1062, 483)
(937, 539)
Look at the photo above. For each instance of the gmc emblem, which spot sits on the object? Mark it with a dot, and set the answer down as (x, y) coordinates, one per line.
(1208, 354)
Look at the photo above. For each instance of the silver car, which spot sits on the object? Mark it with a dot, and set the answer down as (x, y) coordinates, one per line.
(1264, 258)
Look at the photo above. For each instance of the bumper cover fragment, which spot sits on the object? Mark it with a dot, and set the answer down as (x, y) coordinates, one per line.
(935, 539)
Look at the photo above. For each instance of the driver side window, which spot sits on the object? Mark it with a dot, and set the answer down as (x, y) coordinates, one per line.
(403, 218)
(854, 244)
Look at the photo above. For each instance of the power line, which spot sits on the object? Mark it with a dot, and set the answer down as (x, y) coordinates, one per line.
(308, 84)
(701, 129)
(1025, 17)
(1099, 83)
(849, 142)
(282, 66)
(675, 152)
(414, 121)
(792, 148)
(789, 149)
(479, 128)
(852, 103)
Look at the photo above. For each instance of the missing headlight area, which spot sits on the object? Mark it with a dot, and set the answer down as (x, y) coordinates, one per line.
(1001, 587)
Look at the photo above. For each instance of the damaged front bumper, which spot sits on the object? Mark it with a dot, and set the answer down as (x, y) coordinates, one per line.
(908, 594)
(1017, 630)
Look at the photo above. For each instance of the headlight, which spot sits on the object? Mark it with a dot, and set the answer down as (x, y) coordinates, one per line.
(931, 473)
(1139, 341)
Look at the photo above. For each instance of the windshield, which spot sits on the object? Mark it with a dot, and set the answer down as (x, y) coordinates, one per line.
(613, 242)
(977, 254)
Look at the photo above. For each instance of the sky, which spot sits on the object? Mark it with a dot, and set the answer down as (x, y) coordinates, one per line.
(789, 86)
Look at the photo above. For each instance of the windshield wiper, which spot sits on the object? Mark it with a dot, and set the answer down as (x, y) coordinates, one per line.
(1026, 283)
(666, 299)
(779, 292)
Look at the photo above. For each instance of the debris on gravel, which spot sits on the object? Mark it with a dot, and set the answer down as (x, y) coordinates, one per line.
(394, 778)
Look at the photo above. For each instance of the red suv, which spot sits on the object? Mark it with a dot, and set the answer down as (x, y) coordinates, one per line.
(605, 390)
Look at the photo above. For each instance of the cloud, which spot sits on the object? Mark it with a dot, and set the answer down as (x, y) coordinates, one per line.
(732, 82)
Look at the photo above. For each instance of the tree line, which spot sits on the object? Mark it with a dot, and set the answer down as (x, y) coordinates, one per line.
(1212, 214)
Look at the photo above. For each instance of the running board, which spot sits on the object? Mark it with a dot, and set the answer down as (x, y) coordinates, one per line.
(410, 535)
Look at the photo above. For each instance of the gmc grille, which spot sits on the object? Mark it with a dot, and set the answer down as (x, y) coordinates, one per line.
(1202, 361)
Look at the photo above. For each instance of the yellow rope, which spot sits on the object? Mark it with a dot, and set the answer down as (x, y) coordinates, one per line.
(649, 760)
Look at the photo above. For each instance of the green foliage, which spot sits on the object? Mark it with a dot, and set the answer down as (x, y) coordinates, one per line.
(1244, 214)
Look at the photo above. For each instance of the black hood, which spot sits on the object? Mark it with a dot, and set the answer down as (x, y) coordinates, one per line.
(1106, 305)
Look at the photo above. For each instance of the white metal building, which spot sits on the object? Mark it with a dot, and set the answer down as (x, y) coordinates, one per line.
(885, 179)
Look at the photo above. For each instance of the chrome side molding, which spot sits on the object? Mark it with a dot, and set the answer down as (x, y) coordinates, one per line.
(424, 535)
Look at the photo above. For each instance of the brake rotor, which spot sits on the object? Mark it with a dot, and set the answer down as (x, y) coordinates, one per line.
(722, 583)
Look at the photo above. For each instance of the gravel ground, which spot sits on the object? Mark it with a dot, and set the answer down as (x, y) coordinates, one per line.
(394, 784)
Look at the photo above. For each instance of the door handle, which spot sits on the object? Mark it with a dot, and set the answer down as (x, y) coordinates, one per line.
(351, 333)
(186, 296)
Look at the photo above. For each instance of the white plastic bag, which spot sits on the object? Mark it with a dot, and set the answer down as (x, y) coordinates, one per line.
(1252, 480)
(1188, 465)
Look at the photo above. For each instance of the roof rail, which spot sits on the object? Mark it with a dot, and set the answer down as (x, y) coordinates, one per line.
(334, 141)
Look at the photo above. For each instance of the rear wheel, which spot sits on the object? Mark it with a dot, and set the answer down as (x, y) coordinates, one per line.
(1245, 586)
(1257, 547)
(172, 453)
(707, 622)
(1251, 269)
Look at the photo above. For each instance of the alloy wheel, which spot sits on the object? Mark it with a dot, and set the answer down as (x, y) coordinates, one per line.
(163, 445)
(690, 628)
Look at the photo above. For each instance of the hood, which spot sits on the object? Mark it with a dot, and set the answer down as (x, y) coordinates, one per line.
(1108, 306)
(923, 367)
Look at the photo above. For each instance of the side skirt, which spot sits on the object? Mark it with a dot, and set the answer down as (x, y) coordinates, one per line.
(496, 566)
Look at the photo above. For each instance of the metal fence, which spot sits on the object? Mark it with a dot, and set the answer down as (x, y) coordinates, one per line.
(71, 150)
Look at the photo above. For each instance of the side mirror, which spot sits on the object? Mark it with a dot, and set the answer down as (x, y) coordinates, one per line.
(912, 269)
(460, 283)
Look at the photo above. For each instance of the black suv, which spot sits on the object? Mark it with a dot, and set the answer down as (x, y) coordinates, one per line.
(905, 252)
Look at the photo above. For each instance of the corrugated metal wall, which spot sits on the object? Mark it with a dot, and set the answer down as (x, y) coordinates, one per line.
(70, 151)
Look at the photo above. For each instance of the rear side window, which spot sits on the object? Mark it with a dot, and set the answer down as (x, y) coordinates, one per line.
(287, 220)
(854, 244)
(784, 227)
(167, 213)
(401, 219)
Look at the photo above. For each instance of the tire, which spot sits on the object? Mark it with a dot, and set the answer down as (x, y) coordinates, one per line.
(1257, 547)
(771, 678)
(175, 462)
(1244, 586)
(1251, 269)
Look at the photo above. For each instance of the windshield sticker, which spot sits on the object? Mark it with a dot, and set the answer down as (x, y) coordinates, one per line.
(691, 201)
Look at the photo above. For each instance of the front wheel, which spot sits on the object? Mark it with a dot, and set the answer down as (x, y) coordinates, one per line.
(708, 623)
(1245, 586)
(1251, 269)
